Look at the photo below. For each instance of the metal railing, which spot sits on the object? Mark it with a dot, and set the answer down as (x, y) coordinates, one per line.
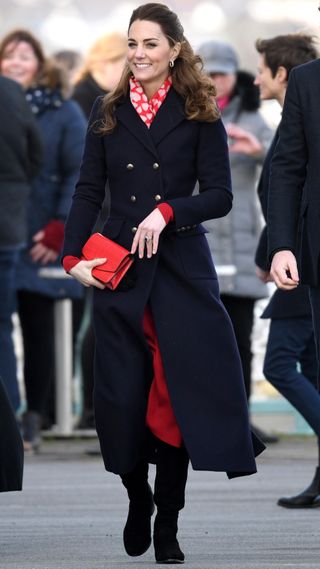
(63, 355)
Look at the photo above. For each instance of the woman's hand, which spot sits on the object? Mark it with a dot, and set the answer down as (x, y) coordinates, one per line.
(82, 271)
(147, 235)
(40, 252)
(243, 141)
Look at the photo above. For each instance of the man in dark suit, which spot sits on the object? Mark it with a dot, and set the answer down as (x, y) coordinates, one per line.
(294, 185)
(290, 359)
(20, 159)
(294, 199)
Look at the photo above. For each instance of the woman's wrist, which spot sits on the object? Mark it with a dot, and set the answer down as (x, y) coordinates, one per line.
(166, 212)
(68, 262)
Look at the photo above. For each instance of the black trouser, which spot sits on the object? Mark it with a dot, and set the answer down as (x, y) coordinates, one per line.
(171, 477)
(11, 448)
(241, 312)
(87, 359)
(36, 314)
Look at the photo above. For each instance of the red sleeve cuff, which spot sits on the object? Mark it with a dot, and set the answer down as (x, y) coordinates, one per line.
(53, 235)
(166, 212)
(69, 262)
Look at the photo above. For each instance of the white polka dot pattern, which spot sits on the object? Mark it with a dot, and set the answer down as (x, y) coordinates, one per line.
(147, 110)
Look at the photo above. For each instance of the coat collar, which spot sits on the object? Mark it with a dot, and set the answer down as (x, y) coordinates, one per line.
(170, 114)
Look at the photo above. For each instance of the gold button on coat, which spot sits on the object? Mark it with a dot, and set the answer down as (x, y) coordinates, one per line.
(133, 198)
(134, 229)
(157, 197)
(130, 166)
(155, 166)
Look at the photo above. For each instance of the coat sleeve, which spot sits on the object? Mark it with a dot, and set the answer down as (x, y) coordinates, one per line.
(213, 173)
(265, 135)
(35, 146)
(261, 256)
(288, 172)
(90, 189)
(73, 132)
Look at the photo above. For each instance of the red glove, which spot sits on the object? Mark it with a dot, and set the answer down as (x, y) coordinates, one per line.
(53, 235)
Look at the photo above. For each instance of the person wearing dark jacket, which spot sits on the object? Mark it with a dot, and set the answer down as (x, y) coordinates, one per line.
(167, 372)
(20, 161)
(62, 127)
(233, 239)
(293, 205)
(290, 360)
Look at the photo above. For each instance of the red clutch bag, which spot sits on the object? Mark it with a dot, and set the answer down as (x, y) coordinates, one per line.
(118, 259)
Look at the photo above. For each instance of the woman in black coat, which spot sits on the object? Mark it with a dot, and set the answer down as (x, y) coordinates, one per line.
(167, 329)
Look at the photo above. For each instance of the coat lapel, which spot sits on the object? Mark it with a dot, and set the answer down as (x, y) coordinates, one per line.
(170, 114)
(129, 117)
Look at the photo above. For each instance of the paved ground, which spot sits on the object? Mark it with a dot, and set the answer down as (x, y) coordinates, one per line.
(71, 513)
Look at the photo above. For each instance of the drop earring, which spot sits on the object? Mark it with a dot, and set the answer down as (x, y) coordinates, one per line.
(171, 63)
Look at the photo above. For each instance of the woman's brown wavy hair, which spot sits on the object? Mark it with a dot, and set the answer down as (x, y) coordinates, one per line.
(188, 79)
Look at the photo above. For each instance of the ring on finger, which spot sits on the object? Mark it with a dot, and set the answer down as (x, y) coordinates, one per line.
(148, 238)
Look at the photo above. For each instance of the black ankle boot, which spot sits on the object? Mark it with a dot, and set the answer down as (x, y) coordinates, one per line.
(166, 545)
(308, 498)
(169, 490)
(137, 531)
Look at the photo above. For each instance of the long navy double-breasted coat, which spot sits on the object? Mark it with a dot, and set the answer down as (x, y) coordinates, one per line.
(202, 366)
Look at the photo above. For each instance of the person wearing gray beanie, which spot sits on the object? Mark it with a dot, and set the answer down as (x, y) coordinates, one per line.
(233, 240)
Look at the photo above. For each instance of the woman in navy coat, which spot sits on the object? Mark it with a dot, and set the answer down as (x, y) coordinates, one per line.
(169, 314)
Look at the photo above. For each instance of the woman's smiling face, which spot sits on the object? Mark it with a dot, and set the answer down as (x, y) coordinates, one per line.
(20, 63)
(149, 53)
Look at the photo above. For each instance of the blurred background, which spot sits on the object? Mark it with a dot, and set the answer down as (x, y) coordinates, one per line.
(75, 24)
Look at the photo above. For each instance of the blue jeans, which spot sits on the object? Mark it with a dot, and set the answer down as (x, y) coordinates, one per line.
(291, 342)
(8, 364)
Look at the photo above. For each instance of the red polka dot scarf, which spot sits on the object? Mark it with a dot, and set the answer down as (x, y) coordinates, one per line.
(147, 110)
